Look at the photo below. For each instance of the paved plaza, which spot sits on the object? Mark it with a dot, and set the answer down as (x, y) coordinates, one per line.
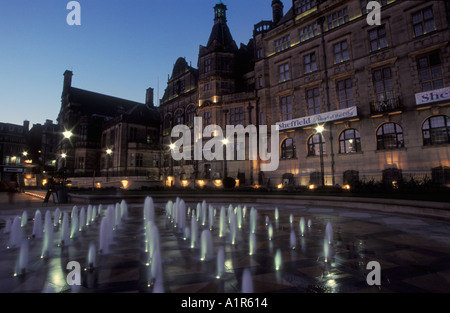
(413, 252)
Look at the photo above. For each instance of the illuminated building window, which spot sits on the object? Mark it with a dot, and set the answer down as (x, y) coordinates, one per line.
(344, 91)
(313, 100)
(282, 43)
(288, 149)
(286, 108)
(314, 143)
(349, 141)
(304, 5)
(384, 87)
(377, 38)
(308, 32)
(338, 18)
(283, 70)
(430, 71)
(310, 63)
(390, 136)
(423, 22)
(340, 51)
(436, 131)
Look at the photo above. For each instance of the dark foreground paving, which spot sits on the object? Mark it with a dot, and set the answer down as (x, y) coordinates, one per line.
(414, 254)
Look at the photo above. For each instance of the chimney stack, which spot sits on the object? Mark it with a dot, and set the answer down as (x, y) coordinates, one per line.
(149, 98)
(67, 82)
(277, 11)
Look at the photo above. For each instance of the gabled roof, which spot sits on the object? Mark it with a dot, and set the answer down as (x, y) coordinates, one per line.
(92, 103)
(181, 67)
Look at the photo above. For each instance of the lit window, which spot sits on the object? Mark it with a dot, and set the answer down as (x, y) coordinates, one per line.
(341, 52)
(282, 44)
(377, 38)
(390, 136)
(337, 18)
(349, 141)
(310, 63)
(384, 88)
(288, 149)
(436, 131)
(305, 5)
(284, 72)
(308, 32)
(423, 22)
(314, 143)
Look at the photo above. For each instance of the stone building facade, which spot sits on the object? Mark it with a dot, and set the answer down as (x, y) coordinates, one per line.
(105, 139)
(380, 92)
(13, 152)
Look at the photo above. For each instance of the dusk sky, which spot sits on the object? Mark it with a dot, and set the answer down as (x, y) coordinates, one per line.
(121, 48)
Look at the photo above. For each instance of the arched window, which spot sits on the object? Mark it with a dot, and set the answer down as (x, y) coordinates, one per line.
(190, 115)
(288, 149)
(436, 131)
(349, 141)
(390, 136)
(314, 144)
(179, 117)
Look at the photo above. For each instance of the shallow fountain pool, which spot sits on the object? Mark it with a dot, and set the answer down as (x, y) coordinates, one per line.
(179, 247)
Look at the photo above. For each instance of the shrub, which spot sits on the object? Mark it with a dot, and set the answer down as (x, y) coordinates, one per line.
(229, 183)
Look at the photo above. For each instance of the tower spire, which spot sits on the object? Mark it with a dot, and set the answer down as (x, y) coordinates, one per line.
(220, 15)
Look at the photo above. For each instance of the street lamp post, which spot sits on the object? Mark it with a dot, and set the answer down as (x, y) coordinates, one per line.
(225, 142)
(225, 167)
(250, 108)
(64, 156)
(67, 135)
(171, 148)
(109, 153)
(319, 131)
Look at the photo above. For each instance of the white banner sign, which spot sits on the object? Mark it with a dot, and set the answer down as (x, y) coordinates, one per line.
(433, 96)
(318, 119)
